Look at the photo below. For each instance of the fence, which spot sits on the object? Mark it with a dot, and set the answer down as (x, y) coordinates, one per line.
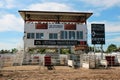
(82, 60)
(6, 60)
(35, 59)
(90, 61)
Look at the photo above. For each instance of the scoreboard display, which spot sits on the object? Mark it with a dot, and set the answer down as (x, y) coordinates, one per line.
(98, 33)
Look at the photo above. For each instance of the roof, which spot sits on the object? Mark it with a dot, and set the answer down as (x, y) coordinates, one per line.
(54, 16)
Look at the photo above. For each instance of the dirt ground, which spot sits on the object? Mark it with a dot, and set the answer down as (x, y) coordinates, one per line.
(60, 73)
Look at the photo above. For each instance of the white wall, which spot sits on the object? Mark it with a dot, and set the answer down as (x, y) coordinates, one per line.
(83, 27)
(30, 28)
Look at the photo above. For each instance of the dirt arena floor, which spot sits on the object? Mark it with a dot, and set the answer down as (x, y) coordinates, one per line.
(60, 73)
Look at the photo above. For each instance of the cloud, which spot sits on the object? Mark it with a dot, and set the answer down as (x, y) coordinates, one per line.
(7, 4)
(9, 46)
(55, 0)
(1, 4)
(49, 6)
(109, 26)
(119, 17)
(116, 39)
(112, 26)
(112, 34)
(11, 43)
(102, 4)
(10, 22)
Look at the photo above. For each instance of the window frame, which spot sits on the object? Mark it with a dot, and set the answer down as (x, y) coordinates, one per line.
(72, 35)
(30, 35)
(53, 36)
(79, 34)
(39, 35)
(64, 35)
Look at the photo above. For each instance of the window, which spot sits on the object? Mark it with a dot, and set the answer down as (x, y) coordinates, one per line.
(39, 35)
(53, 36)
(30, 35)
(50, 36)
(79, 34)
(71, 35)
(63, 35)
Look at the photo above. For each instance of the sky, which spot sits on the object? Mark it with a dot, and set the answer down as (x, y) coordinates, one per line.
(12, 25)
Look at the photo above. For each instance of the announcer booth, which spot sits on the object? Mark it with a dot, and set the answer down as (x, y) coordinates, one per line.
(55, 30)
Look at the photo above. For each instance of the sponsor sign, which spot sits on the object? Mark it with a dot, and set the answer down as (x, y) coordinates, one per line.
(57, 42)
(55, 26)
(98, 33)
(80, 47)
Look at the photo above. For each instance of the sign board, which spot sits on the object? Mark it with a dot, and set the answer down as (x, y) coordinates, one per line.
(80, 47)
(98, 33)
(55, 26)
(56, 42)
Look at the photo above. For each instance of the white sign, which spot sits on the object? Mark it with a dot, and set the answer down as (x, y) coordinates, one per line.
(55, 26)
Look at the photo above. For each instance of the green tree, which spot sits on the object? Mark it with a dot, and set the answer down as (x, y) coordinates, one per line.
(2, 51)
(91, 48)
(14, 50)
(111, 48)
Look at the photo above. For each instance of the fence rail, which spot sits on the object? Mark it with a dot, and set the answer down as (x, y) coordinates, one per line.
(8, 60)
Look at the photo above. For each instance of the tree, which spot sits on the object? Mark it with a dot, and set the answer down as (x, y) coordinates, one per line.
(111, 48)
(4, 51)
(14, 50)
(91, 48)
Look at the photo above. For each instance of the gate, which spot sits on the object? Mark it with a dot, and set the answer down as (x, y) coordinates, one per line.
(90, 61)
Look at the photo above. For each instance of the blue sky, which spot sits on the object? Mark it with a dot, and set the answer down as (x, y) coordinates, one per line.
(12, 25)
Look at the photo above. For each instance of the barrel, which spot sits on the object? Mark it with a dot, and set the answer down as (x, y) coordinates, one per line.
(110, 60)
(47, 60)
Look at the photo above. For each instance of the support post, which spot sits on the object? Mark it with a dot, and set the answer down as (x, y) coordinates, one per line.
(94, 48)
(101, 51)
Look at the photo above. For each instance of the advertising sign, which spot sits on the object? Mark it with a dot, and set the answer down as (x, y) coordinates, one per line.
(98, 33)
(80, 47)
(56, 42)
(55, 26)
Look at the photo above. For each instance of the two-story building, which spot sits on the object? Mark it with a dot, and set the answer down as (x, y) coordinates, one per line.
(49, 29)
